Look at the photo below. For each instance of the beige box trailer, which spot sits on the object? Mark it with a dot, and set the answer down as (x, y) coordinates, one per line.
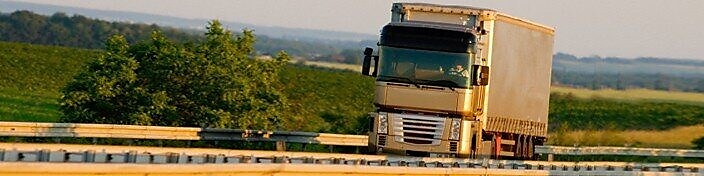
(519, 55)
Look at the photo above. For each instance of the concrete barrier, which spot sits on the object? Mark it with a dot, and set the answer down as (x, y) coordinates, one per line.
(32, 169)
(191, 156)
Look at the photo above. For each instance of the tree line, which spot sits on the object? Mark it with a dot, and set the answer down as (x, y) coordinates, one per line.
(83, 32)
(623, 81)
(595, 72)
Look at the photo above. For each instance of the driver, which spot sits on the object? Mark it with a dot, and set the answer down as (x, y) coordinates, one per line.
(458, 70)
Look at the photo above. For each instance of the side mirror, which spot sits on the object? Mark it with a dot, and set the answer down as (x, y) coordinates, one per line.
(367, 61)
(480, 75)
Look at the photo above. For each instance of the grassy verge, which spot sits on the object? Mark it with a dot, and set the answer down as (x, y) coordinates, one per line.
(33, 106)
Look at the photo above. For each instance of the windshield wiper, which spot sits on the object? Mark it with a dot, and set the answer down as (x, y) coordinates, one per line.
(402, 79)
(445, 83)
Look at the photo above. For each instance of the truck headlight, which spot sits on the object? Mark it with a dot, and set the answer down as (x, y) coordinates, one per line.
(455, 129)
(383, 127)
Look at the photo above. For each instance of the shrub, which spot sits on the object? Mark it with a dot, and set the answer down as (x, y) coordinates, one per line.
(214, 83)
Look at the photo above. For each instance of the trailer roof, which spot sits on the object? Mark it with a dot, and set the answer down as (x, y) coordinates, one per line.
(443, 8)
(469, 10)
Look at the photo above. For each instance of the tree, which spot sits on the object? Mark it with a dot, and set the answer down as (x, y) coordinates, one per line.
(214, 83)
(99, 94)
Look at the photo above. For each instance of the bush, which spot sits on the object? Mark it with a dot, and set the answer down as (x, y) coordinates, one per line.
(215, 83)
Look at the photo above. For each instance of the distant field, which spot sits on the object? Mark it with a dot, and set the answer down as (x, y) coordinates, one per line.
(680, 137)
(635, 95)
(340, 66)
(32, 76)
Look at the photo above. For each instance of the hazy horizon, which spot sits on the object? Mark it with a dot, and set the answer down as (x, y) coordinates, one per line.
(652, 28)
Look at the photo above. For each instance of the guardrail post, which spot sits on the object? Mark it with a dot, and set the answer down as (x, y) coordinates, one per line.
(280, 145)
(131, 156)
(172, 157)
(43, 155)
(183, 158)
(57, 156)
(246, 159)
(29, 156)
(89, 156)
(160, 159)
(101, 157)
(220, 158)
(144, 158)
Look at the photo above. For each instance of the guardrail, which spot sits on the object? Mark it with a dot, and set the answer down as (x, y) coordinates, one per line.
(26, 129)
(51, 159)
(623, 151)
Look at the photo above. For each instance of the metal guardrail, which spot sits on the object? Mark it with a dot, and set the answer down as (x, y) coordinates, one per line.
(186, 133)
(26, 129)
(42, 169)
(623, 151)
(58, 158)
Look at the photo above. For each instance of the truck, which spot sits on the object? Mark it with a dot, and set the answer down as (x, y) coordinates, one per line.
(459, 81)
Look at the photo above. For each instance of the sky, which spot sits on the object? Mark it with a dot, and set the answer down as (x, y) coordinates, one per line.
(607, 28)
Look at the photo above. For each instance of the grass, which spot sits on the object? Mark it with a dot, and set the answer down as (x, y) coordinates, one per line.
(680, 137)
(33, 106)
(635, 95)
(37, 67)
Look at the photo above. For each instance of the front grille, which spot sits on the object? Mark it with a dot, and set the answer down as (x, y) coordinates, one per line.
(418, 129)
(382, 141)
(453, 146)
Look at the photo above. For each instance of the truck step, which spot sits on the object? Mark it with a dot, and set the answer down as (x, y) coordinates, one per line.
(507, 142)
(505, 153)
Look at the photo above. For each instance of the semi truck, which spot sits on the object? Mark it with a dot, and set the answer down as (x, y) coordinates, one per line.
(459, 81)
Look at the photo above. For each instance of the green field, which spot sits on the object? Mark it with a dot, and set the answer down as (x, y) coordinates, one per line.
(635, 95)
(337, 101)
(23, 105)
(31, 77)
(679, 137)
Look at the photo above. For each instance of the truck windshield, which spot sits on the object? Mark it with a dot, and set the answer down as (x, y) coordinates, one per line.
(424, 67)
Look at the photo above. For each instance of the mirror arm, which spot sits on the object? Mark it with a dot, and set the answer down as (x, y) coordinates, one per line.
(376, 65)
